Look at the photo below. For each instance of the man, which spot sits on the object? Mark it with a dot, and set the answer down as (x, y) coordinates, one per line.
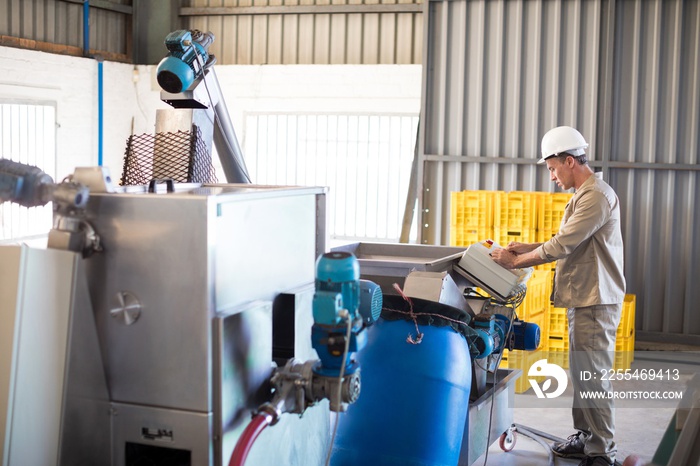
(589, 282)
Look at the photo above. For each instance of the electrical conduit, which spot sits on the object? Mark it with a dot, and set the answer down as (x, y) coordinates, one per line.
(100, 83)
(248, 437)
(100, 112)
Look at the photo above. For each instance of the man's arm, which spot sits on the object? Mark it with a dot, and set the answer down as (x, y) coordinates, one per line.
(522, 248)
(592, 212)
(511, 260)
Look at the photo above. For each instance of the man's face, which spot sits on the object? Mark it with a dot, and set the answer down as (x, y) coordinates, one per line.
(561, 171)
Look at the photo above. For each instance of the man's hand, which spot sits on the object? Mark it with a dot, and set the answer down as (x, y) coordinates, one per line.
(521, 248)
(503, 257)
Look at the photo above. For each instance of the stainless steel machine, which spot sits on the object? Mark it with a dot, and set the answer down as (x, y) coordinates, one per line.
(184, 297)
(169, 334)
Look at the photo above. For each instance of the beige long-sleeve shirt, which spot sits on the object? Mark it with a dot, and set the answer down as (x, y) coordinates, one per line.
(588, 249)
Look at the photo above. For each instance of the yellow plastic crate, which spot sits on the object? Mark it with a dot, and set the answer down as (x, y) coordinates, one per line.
(551, 208)
(542, 236)
(514, 216)
(559, 325)
(548, 267)
(559, 202)
(558, 322)
(537, 297)
(534, 300)
(523, 360)
(624, 341)
(559, 343)
(624, 352)
(471, 216)
(551, 211)
(561, 358)
(623, 360)
(503, 236)
(516, 211)
(465, 237)
(626, 327)
(457, 237)
(541, 202)
(472, 209)
(625, 344)
(457, 208)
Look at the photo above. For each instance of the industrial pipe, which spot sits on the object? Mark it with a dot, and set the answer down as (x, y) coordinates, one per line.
(100, 111)
(230, 153)
(248, 437)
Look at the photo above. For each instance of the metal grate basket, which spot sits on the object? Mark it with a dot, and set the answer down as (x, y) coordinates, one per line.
(181, 156)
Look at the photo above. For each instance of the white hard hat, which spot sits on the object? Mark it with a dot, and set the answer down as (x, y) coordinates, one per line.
(562, 139)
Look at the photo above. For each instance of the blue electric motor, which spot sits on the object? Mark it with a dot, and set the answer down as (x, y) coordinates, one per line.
(489, 335)
(188, 58)
(341, 297)
(526, 335)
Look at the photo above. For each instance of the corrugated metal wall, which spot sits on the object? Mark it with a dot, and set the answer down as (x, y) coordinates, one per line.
(61, 22)
(247, 31)
(311, 31)
(654, 147)
(498, 74)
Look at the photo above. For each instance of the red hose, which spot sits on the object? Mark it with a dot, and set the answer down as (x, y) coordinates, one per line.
(245, 442)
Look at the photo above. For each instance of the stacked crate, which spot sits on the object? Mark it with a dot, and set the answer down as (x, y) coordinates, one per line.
(515, 217)
(523, 360)
(519, 216)
(550, 212)
(624, 341)
(531, 217)
(535, 307)
(558, 337)
(472, 216)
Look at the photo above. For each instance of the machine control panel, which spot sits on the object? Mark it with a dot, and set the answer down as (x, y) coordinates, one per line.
(477, 265)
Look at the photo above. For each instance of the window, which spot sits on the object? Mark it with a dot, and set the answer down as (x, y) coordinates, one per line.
(364, 159)
(27, 135)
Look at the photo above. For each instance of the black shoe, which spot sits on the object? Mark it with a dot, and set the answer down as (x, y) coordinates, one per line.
(571, 448)
(596, 461)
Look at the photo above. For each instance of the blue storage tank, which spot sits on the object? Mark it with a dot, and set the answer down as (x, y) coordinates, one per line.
(414, 398)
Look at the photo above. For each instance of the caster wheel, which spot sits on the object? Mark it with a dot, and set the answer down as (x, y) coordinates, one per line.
(633, 460)
(507, 440)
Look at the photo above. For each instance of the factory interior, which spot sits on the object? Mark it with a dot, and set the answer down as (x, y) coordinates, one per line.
(339, 233)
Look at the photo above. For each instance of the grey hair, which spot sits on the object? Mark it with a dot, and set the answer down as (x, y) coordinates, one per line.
(581, 159)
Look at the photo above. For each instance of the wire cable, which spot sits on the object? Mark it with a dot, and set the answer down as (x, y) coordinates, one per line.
(346, 350)
(495, 376)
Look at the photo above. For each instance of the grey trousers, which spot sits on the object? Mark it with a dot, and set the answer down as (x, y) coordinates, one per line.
(592, 333)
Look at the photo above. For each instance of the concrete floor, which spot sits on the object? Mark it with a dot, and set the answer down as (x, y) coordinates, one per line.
(639, 424)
